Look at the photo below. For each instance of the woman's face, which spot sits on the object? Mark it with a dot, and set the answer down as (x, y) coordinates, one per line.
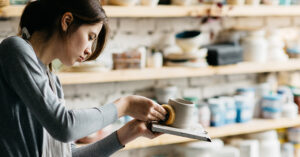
(79, 44)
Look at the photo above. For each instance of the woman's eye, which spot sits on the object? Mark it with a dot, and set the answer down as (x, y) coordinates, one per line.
(92, 37)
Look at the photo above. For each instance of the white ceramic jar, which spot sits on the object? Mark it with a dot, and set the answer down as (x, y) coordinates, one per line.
(275, 46)
(255, 46)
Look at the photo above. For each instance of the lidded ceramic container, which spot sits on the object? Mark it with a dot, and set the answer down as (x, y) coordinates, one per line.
(255, 46)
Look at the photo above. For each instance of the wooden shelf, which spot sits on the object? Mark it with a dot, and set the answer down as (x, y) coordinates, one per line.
(175, 72)
(131, 11)
(181, 11)
(159, 11)
(11, 11)
(256, 125)
(262, 10)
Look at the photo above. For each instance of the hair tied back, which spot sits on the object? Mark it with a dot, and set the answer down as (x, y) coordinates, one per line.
(25, 33)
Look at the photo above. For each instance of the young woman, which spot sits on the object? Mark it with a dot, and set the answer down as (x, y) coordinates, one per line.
(33, 119)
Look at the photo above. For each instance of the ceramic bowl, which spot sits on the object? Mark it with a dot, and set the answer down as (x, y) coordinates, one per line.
(123, 2)
(151, 3)
(188, 41)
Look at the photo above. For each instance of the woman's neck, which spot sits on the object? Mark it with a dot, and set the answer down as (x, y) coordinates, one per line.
(43, 49)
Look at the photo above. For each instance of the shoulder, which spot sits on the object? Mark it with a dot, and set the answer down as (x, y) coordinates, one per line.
(14, 42)
(16, 47)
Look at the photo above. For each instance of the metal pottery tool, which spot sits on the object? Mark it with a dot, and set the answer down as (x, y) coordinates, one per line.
(190, 132)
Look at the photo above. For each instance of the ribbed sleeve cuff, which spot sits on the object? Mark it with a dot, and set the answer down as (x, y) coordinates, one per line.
(102, 148)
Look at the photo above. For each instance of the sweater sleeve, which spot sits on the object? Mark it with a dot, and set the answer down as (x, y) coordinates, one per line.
(30, 83)
(102, 148)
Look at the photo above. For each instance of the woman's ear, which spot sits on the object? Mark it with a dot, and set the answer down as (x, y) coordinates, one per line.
(66, 21)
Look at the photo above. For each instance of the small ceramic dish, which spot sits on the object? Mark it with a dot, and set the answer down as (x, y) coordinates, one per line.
(189, 41)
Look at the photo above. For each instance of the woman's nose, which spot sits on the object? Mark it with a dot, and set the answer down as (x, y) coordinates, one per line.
(87, 52)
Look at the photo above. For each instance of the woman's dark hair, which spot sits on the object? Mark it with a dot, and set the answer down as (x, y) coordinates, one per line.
(45, 16)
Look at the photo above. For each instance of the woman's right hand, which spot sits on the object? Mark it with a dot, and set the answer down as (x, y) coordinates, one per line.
(141, 108)
(134, 129)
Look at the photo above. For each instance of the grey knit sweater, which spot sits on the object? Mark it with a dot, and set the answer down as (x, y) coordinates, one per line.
(28, 105)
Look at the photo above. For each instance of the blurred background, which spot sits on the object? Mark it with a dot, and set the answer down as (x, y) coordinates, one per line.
(238, 61)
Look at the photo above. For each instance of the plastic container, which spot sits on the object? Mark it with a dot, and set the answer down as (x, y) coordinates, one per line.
(246, 91)
(243, 109)
(285, 2)
(294, 135)
(271, 106)
(287, 150)
(218, 110)
(230, 115)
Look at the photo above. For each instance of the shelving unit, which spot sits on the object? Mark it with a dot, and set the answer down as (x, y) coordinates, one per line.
(255, 11)
(175, 72)
(181, 11)
(256, 125)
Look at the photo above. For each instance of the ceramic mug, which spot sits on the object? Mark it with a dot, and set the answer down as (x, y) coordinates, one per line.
(183, 112)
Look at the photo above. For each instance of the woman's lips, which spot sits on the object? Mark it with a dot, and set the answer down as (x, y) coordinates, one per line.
(80, 59)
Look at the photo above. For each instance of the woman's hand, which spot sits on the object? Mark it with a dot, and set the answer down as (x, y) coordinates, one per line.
(141, 108)
(134, 129)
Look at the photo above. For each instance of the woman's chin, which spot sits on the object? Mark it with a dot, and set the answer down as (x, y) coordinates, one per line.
(69, 63)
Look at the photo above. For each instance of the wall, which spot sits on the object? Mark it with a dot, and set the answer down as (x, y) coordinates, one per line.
(133, 32)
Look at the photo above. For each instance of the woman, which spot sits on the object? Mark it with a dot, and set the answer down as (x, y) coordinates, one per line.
(33, 119)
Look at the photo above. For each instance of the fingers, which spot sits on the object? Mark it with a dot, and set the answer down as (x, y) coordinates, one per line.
(152, 117)
(160, 109)
(151, 135)
(157, 115)
(141, 128)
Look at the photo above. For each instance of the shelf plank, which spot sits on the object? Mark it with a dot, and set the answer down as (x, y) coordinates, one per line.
(256, 125)
(175, 72)
(159, 11)
(133, 75)
(181, 11)
(261, 10)
(130, 11)
(250, 67)
(12, 11)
